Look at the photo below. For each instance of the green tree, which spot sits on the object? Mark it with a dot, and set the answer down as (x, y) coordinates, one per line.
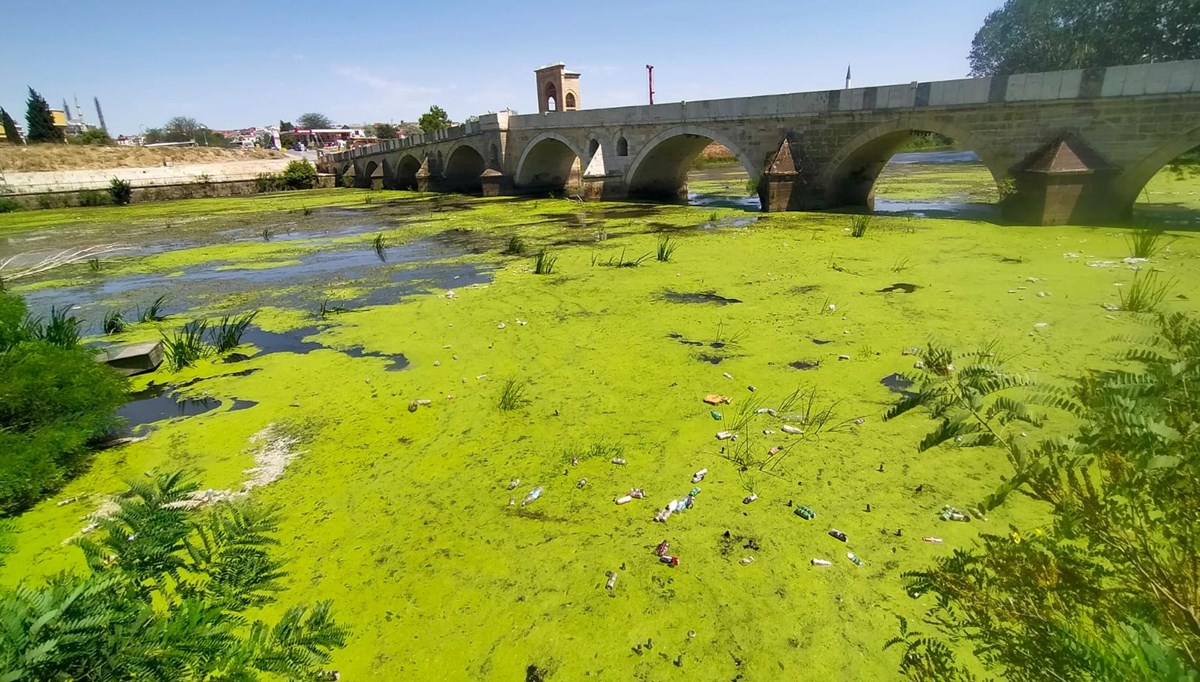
(39, 120)
(55, 399)
(95, 136)
(177, 129)
(1109, 586)
(313, 120)
(434, 119)
(385, 131)
(1027, 36)
(166, 598)
(11, 134)
(299, 174)
(285, 126)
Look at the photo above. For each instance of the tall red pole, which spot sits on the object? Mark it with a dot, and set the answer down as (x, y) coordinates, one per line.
(650, 76)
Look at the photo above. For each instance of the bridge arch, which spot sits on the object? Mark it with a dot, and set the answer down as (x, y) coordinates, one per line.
(550, 162)
(406, 172)
(464, 165)
(1131, 181)
(369, 175)
(849, 178)
(659, 170)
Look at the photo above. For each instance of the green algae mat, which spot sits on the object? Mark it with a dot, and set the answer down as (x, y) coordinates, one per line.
(409, 514)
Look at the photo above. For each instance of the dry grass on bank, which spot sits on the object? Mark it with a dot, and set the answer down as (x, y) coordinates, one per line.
(54, 157)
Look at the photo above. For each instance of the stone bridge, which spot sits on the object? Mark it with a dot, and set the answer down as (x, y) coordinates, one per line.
(1063, 147)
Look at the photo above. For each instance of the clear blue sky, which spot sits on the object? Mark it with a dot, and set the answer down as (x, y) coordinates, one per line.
(252, 62)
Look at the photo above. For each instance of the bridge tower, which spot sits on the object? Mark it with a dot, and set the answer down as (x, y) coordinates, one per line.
(558, 89)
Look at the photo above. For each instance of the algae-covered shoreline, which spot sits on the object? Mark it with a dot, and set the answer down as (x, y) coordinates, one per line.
(402, 517)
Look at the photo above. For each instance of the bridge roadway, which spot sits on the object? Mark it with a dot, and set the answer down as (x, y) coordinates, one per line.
(1063, 147)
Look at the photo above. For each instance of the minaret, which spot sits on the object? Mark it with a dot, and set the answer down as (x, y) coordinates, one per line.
(847, 76)
(100, 115)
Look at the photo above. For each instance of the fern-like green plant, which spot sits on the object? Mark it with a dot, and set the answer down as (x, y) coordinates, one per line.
(1105, 586)
(166, 597)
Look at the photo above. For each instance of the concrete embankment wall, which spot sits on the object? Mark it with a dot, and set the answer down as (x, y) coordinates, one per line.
(55, 189)
(162, 192)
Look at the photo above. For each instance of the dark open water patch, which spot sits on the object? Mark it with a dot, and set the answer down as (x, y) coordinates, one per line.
(157, 402)
(680, 338)
(821, 342)
(698, 297)
(805, 364)
(291, 341)
(897, 384)
(406, 265)
(397, 361)
(710, 359)
(899, 286)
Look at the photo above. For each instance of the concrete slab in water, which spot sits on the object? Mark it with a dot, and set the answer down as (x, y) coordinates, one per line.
(133, 359)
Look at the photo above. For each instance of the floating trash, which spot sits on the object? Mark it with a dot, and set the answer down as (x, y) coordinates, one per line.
(532, 496)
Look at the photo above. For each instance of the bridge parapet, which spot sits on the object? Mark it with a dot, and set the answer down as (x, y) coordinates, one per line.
(1130, 120)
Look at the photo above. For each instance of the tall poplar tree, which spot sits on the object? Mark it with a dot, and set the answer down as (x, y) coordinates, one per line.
(10, 128)
(41, 122)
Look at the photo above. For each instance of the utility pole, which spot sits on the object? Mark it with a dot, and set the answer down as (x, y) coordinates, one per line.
(650, 76)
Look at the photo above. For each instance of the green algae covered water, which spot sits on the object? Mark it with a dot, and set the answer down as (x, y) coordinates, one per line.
(404, 513)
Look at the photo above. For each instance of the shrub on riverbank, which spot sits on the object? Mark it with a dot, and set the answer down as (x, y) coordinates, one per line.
(54, 400)
(1106, 587)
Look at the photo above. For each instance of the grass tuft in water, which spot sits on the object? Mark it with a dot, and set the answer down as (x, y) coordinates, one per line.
(227, 335)
(666, 249)
(620, 262)
(1145, 243)
(61, 329)
(543, 263)
(516, 246)
(1144, 294)
(94, 264)
(380, 247)
(306, 210)
(185, 345)
(114, 322)
(859, 226)
(154, 312)
(513, 395)
(327, 308)
(900, 265)
(266, 234)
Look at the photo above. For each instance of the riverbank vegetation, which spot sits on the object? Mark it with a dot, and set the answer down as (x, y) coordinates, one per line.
(55, 400)
(1106, 588)
(167, 595)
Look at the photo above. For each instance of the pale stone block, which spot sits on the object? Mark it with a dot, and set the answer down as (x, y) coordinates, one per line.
(1185, 77)
(1051, 83)
(1135, 80)
(976, 90)
(1114, 81)
(1158, 77)
(954, 92)
(1070, 83)
(937, 93)
(1016, 88)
